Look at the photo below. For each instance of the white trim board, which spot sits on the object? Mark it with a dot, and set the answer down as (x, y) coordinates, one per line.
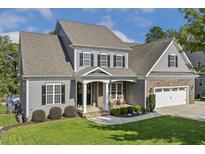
(97, 68)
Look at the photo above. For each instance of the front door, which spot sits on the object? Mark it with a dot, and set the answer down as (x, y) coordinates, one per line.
(100, 94)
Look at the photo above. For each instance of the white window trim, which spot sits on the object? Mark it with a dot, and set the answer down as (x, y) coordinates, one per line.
(104, 54)
(173, 60)
(54, 84)
(86, 59)
(119, 55)
(201, 81)
(116, 92)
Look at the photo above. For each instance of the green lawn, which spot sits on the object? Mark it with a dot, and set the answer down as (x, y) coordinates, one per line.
(7, 119)
(161, 130)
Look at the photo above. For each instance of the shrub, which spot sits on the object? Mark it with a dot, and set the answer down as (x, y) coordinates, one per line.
(70, 111)
(123, 110)
(115, 111)
(38, 116)
(55, 113)
(151, 102)
(137, 108)
(130, 109)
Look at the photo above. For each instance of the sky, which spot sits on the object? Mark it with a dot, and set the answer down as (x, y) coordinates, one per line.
(131, 25)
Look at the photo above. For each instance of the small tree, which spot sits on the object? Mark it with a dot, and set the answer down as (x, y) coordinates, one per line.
(152, 102)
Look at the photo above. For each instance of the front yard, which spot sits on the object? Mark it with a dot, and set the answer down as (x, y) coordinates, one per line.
(161, 130)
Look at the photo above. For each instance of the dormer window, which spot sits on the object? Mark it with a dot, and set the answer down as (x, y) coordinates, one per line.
(103, 60)
(172, 60)
(86, 59)
(119, 61)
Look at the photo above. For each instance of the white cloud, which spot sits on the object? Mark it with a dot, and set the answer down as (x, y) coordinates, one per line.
(14, 36)
(46, 13)
(147, 10)
(31, 29)
(108, 22)
(141, 22)
(10, 20)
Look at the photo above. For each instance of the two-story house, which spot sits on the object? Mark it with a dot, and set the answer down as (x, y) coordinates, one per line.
(87, 65)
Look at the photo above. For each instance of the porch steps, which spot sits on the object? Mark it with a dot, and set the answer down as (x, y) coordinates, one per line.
(92, 114)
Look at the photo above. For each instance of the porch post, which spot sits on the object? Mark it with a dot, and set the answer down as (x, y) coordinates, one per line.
(106, 101)
(84, 97)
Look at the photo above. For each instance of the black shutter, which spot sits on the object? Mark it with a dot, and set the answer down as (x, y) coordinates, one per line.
(123, 61)
(43, 89)
(81, 59)
(176, 58)
(114, 61)
(108, 60)
(98, 60)
(62, 94)
(92, 59)
(169, 56)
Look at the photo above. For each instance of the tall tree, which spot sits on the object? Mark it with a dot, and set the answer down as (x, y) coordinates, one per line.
(194, 30)
(8, 67)
(154, 34)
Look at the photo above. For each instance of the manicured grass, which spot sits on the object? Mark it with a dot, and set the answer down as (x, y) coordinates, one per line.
(7, 119)
(3, 108)
(161, 130)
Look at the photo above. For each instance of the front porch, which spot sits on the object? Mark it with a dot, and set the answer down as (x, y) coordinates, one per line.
(99, 96)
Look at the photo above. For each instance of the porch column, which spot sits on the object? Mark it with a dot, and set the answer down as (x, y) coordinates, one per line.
(106, 100)
(84, 97)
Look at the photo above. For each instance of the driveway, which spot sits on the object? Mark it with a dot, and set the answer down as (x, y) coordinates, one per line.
(194, 111)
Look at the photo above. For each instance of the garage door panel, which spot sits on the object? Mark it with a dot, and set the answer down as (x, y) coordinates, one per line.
(170, 96)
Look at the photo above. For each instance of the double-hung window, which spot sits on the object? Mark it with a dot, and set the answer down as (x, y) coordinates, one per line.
(200, 82)
(118, 60)
(172, 60)
(116, 89)
(103, 60)
(86, 59)
(53, 93)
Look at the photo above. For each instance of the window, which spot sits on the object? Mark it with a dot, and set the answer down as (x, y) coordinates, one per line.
(172, 60)
(200, 82)
(119, 61)
(53, 93)
(86, 59)
(198, 64)
(116, 89)
(103, 60)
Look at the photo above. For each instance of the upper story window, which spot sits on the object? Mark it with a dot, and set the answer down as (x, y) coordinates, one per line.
(103, 60)
(86, 59)
(119, 61)
(201, 82)
(172, 60)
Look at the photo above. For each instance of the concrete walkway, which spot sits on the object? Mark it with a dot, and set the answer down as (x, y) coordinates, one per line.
(111, 120)
(193, 111)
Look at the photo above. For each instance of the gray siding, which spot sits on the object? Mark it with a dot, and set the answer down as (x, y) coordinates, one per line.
(162, 65)
(135, 92)
(200, 90)
(35, 94)
(96, 52)
(66, 42)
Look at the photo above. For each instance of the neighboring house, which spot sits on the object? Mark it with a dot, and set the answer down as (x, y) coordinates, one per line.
(87, 65)
(198, 61)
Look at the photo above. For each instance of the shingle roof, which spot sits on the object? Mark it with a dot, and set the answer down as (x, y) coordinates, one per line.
(81, 34)
(144, 56)
(42, 55)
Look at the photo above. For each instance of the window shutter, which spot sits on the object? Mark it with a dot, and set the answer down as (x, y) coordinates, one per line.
(108, 60)
(81, 59)
(43, 89)
(98, 60)
(62, 94)
(176, 61)
(114, 61)
(92, 59)
(123, 61)
(169, 60)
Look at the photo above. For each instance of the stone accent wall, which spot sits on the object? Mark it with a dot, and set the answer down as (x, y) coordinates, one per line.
(151, 83)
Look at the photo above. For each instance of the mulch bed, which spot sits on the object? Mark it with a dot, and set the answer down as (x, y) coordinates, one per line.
(6, 128)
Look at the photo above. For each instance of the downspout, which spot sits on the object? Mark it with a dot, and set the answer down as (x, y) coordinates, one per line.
(27, 96)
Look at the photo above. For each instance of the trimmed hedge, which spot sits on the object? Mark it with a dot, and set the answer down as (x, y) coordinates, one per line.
(55, 113)
(38, 116)
(137, 108)
(70, 111)
(130, 109)
(115, 111)
(123, 110)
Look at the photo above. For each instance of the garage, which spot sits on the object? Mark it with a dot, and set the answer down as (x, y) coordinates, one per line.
(170, 96)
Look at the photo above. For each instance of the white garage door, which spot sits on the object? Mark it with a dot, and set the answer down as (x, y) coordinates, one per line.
(167, 96)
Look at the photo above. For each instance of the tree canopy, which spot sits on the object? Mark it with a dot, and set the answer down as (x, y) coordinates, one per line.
(8, 67)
